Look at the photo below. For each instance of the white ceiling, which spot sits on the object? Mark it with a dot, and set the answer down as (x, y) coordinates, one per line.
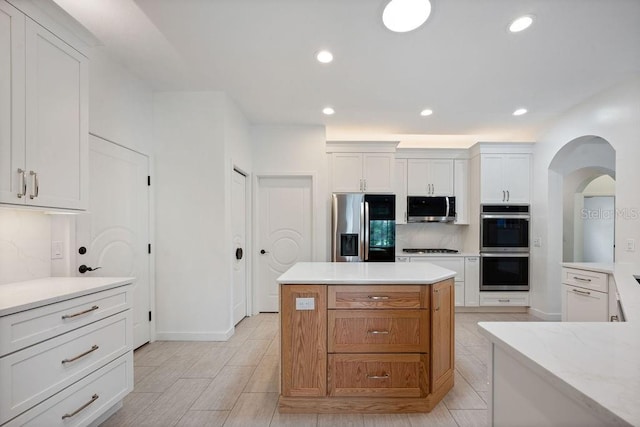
(463, 63)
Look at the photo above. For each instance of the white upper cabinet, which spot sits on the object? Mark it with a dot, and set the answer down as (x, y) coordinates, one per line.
(363, 172)
(430, 177)
(400, 190)
(505, 178)
(48, 142)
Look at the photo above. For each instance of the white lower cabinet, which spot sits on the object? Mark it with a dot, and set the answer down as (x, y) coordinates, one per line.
(471, 281)
(586, 296)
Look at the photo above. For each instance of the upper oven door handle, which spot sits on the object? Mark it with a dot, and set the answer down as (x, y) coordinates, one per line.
(496, 216)
(505, 255)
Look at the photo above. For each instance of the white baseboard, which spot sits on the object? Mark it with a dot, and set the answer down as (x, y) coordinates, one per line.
(194, 336)
(551, 317)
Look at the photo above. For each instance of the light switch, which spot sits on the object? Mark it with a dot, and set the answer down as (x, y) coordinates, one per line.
(631, 245)
(57, 249)
(305, 304)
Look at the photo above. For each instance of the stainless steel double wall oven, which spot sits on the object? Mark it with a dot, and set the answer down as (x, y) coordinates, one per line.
(504, 248)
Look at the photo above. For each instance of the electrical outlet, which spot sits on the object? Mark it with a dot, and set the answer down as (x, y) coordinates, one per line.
(57, 250)
(537, 242)
(305, 304)
(631, 245)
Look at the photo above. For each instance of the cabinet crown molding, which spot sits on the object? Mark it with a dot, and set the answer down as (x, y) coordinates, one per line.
(501, 148)
(361, 146)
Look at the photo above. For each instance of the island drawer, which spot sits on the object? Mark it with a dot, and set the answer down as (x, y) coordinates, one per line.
(378, 331)
(378, 296)
(378, 375)
(585, 279)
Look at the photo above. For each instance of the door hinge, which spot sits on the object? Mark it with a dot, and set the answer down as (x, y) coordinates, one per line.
(148, 180)
(149, 248)
(149, 316)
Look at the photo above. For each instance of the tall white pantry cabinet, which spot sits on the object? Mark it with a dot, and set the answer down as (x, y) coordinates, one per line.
(43, 114)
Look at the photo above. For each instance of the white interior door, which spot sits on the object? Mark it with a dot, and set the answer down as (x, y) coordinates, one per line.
(115, 232)
(239, 219)
(284, 218)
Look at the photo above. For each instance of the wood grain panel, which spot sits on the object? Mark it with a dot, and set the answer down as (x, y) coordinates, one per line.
(303, 341)
(377, 296)
(378, 331)
(442, 333)
(389, 375)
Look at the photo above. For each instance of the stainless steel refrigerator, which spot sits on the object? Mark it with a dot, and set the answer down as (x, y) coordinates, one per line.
(363, 227)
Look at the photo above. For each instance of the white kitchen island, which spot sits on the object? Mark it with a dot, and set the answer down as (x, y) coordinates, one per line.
(569, 374)
(366, 337)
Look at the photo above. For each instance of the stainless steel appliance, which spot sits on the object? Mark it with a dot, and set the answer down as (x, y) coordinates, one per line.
(504, 248)
(431, 209)
(363, 227)
(430, 251)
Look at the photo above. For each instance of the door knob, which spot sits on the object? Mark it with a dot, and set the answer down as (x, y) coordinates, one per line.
(239, 253)
(83, 269)
(262, 251)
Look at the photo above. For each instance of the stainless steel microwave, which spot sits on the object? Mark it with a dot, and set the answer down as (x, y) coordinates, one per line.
(431, 209)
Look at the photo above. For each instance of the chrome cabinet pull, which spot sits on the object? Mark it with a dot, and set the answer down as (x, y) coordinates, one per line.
(376, 298)
(93, 399)
(69, 316)
(91, 350)
(581, 279)
(365, 184)
(378, 332)
(36, 185)
(504, 300)
(581, 292)
(23, 183)
(378, 377)
(508, 196)
(615, 318)
(503, 195)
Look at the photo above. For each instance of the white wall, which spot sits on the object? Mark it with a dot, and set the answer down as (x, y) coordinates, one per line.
(431, 235)
(614, 116)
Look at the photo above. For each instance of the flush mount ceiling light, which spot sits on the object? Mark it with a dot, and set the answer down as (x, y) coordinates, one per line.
(521, 24)
(324, 56)
(401, 16)
(520, 111)
(328, 111)
(426, 112)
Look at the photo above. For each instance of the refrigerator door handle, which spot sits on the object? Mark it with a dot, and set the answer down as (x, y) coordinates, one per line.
(366, 231)
(363, 230)
(334, 224)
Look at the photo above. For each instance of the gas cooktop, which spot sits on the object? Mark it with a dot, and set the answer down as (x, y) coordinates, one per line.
(430, 251)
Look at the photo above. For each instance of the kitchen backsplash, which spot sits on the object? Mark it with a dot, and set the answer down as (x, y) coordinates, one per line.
(430, 235)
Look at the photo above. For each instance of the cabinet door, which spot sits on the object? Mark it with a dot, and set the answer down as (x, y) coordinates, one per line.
(11, 103)
(400, 191)
(378, 172)
(56, 121)
(516, 176)
(472, 281)
(347, 173)
(56, 140)
(440, 176)
(461, 190)
(417, 177)
(492, 187)
(584, 305)
(442, 341)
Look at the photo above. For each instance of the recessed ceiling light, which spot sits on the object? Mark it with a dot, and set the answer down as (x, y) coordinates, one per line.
(520, 111)
(426, 112)
(324, 56)
(328, 111)
(402, 16)
(521, 24)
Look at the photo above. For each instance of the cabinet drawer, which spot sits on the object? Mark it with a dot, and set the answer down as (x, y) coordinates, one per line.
(496, 299)
(103, 388)
(585, 279)
(582, 305)
(378, 296)
(32, 375)
(30, 327)
(378, 331)
(378, 375)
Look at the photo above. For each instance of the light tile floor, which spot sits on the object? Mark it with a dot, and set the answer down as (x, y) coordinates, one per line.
(235, 383)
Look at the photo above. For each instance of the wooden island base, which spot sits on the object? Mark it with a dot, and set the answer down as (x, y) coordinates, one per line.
(366, 348)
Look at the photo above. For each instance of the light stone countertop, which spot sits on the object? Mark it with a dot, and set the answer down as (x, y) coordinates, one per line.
(364, 273)
(20, 296)
(597, 363)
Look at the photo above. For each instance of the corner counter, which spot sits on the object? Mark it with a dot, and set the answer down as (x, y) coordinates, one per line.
(365, 337)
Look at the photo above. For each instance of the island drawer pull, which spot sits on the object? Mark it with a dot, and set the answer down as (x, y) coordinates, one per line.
(376, 298)
(581, 279)
(378, 332)
(93, 399)
(91, 350)
(581, 292)
(378, 377)
(69, 316)
(504, 300)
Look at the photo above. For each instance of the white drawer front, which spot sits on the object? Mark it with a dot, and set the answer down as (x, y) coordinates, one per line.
(585, 279)
(31, 375)
(454, 263)
(110, 384)
(30, 327)
(507, 299)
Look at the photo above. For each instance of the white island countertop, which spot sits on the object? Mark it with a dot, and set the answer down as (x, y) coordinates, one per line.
(19, 296)
(595, 363)
(364, 273)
